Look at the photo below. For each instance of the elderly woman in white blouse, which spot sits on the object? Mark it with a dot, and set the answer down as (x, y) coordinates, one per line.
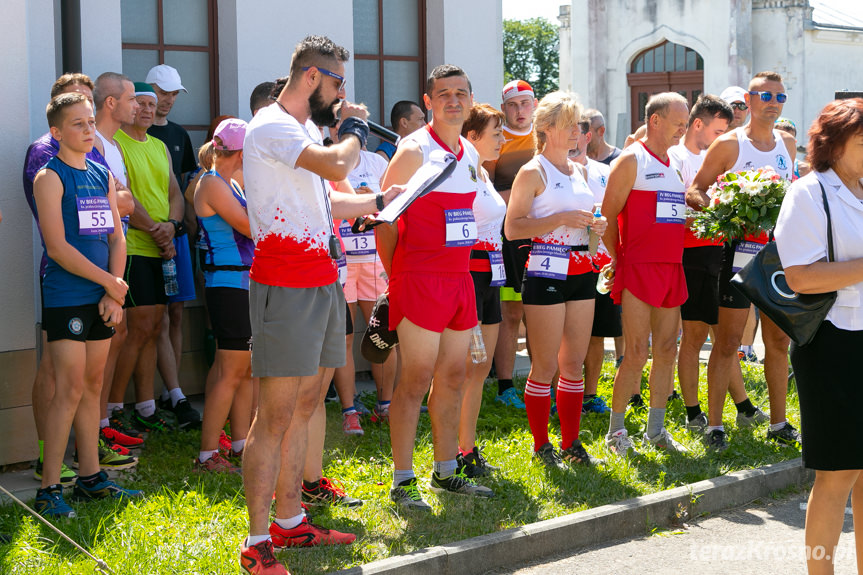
(828, 370)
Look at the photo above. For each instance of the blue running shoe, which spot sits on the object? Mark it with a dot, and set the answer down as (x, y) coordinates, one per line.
(595, 405)
(510, 397)
(50, 503)
(104, 488)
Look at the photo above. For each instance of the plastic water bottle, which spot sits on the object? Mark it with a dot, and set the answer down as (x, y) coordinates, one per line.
(602, 282)
(477, 346)
(593, 241)
(169, 273)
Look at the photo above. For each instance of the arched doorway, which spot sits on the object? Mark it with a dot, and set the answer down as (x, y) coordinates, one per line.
(667, 67)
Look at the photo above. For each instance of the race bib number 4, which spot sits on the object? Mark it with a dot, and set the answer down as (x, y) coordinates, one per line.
(548, 261)
(498, 272)
(357, 244)
(743, 254)
(460, 228)
(94, 216)
(670, 208)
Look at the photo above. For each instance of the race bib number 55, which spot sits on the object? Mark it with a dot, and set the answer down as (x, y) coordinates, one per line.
(94, 216)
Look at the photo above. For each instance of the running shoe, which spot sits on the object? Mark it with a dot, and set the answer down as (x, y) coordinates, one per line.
(619, 443)
(224, 443)
(351, 424)
(407, 496)
(636, 402)
(216, 464)
(697, 424)
(756, 418)
(459, 483)
(307, 534)
(110, 458)
(664, 440)
(716, 441)
(576, 453)
(549, 456)
(67, 476)
(361, 407)
(331, 394)
(674, 395)
(111, 435)
(151, 424)
(786, 435)
(259, 559)
(103, 489)
(187, 416)
(122, 422)
(473, 464)
(595, 405)
(381, 414)
(50, 503)
(323, 492)
(511, 398)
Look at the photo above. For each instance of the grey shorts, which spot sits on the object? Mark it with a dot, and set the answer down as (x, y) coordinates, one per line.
(296, 330)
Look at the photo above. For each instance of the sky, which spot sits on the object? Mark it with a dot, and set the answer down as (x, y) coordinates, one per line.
(524, 9)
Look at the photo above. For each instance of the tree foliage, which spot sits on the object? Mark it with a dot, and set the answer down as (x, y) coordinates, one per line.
(531, 52)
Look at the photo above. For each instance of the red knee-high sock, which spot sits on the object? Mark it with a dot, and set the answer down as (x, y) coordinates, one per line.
(537, 400)
(570, 396)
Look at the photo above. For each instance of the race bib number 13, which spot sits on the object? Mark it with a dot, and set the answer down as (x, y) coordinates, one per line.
(460, 228)
(670, 208)
(548, 261)
(94, 216)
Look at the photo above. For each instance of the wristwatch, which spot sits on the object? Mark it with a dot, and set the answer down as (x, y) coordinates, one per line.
(179, 228)
(379, 201)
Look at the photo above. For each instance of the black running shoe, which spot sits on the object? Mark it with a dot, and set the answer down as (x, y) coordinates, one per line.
(549, 456)
(716, 441)
(787, 435)
(474, 464)
(187, 416)
(576, 453)
(324, 492)
(636, 402)
(459, 483)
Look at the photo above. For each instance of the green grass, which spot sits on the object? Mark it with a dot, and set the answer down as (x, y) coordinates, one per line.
(193, 524)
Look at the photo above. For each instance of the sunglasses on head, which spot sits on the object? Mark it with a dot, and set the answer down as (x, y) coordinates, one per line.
(767, 96)
(740, 106)
(326, 72)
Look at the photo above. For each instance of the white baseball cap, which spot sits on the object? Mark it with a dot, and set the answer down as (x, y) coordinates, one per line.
(731, 94)
(166, 77)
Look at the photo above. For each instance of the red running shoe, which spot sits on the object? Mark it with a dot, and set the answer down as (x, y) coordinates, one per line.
(224, 443)
(307, 534)
(111, 435)
(259, 559)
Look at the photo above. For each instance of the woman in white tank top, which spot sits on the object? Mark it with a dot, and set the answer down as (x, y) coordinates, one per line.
(551, 204)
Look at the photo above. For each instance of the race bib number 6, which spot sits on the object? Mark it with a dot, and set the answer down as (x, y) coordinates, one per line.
(94, 216)
(460, 228)
(548, 261)
(670, 208)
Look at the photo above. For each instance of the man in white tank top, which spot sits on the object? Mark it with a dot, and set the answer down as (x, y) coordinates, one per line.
(645, 191)
(750, 147)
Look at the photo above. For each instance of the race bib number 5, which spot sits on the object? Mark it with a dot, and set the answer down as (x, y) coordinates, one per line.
(498, 272)
(743, 254)
(94, 216)
(548, 261)
(460, 228)
(670, 208)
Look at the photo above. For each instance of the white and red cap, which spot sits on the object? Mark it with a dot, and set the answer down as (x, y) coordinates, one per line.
(229, 135)
(517, 88)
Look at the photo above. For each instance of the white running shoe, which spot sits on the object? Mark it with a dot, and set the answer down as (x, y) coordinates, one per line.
(664, 441)
(619, 443)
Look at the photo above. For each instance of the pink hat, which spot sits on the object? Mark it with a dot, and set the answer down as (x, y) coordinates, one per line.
(229, 135)
(517, 88)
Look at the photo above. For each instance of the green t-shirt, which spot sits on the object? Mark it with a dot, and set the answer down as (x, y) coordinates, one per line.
(149, 172)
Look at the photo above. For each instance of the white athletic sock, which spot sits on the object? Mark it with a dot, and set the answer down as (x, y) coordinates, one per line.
(112, 407)
(446, 468)
(255, 539)
(203, 456)
(104, 423)
(237, 445)
(176, 395)
(777, 426)
(290, 522)
(146, 408)
(714, 428)
(402, 475)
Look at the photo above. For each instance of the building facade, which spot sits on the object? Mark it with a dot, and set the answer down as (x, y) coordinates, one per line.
(222, 50)
(615, 53)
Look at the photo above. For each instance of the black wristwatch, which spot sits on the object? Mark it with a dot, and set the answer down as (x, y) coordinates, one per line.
(379, 201)
(179, 228)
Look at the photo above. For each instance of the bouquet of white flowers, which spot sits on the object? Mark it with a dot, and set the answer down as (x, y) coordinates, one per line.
(741, 203)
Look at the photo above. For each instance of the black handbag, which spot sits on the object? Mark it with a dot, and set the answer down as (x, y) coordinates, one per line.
(762, 280)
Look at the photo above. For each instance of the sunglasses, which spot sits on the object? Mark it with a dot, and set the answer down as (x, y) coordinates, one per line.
(767, 96)
(740, 106)
(325, 72)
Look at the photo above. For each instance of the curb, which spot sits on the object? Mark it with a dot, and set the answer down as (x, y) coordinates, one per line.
(594, 526)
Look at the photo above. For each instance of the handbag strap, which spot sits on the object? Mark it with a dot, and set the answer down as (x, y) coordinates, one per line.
(830, 257)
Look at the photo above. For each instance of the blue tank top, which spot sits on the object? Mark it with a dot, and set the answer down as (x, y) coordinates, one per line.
(229, 253)
(61, 288)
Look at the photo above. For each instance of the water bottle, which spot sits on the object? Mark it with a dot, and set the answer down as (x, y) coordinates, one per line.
(602, 282)
(169, 273)
(477, 346)
(593, 241)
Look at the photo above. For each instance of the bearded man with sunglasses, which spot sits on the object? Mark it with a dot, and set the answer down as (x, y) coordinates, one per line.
(753, 146)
